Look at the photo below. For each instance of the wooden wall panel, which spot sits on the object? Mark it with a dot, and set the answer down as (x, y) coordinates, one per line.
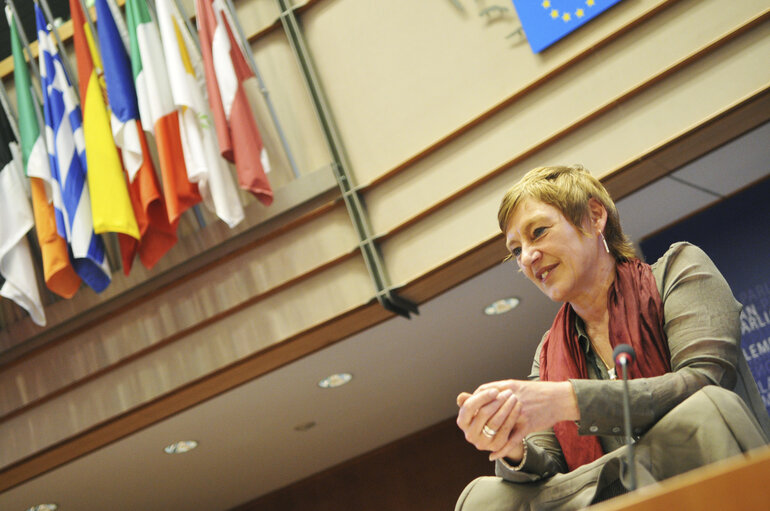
(417, 71)
(622, 135)
(712, 134)
(423, 472)
(159, 318)
(202, 350)
(536, 119)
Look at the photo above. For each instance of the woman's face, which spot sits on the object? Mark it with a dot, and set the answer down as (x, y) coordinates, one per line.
(552, 252)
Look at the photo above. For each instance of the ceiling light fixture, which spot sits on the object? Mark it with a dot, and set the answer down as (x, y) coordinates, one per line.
(335, 380)
(44, 507)
(501, 306)
(181, 447)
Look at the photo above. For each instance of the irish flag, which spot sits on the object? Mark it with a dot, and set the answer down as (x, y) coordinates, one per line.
(60, 276)
(157, 109)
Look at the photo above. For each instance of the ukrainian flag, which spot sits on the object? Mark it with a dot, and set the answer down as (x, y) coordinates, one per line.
(547, 21)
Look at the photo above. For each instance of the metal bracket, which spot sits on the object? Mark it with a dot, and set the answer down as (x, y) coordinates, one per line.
(354, 203)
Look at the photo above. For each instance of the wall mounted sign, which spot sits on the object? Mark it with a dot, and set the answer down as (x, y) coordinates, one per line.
(547, 21)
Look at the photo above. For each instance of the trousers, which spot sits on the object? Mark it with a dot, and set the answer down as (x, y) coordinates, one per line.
(711, 425)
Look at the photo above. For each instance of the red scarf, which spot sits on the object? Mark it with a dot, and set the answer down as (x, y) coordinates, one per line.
(636, 319)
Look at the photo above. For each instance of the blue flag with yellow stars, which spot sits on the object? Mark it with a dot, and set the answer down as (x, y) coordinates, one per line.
(546, 21)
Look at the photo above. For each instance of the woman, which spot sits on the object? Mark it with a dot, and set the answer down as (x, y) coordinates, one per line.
(679, 315)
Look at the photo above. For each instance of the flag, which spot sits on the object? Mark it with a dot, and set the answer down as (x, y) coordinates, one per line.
(546, 21)
(226, 70)
(60, 276)
(16, 220)
(110, 204)
(157, 234)
(157, 110)
(204, 162)
(66, 151)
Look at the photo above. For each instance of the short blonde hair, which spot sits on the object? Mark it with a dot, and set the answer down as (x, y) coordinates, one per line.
(568, 189)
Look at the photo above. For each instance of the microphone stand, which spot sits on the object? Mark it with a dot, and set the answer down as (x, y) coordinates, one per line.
(623, 355)
(623, 359)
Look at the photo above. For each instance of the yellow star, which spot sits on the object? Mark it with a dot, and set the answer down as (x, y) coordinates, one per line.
(579, 13)
(546, 4)
(554, 13)
(590, 3)
(566, 17)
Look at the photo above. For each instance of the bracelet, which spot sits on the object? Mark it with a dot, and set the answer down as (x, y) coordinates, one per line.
(523, 457)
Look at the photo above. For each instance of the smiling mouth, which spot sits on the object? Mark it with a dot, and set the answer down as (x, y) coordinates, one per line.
(543, 274)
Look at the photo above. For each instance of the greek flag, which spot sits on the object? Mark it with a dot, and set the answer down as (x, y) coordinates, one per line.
(66, 151)
(546, 21)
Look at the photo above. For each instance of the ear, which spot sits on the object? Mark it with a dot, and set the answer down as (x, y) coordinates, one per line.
(598, 215)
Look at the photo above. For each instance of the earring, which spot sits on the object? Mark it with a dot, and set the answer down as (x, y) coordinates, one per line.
(605, 242)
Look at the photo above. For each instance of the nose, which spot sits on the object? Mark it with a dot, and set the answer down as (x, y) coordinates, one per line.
(529, 255)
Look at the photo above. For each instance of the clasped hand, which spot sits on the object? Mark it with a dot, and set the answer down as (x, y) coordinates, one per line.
(512, 409)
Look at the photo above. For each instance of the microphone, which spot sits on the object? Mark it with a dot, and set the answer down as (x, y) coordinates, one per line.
(625, 355)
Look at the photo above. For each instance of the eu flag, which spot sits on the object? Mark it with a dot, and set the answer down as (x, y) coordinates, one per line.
(546, 21)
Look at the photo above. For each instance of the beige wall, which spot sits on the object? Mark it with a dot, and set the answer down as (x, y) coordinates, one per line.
(438, 111)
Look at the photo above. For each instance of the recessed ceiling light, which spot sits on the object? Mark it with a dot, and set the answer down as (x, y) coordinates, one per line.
(181, 447)
(501, 306)
(44, 507)
(335, 380)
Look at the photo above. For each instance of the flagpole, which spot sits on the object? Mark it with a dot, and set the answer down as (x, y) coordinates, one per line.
(36, 71)
(117, 15)
(245, 48)
(94, 35)
(193, 32)
(65, 60)
(24, 40)
(35, 94)
(153, 10)
(8, 112)
(14, 125)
